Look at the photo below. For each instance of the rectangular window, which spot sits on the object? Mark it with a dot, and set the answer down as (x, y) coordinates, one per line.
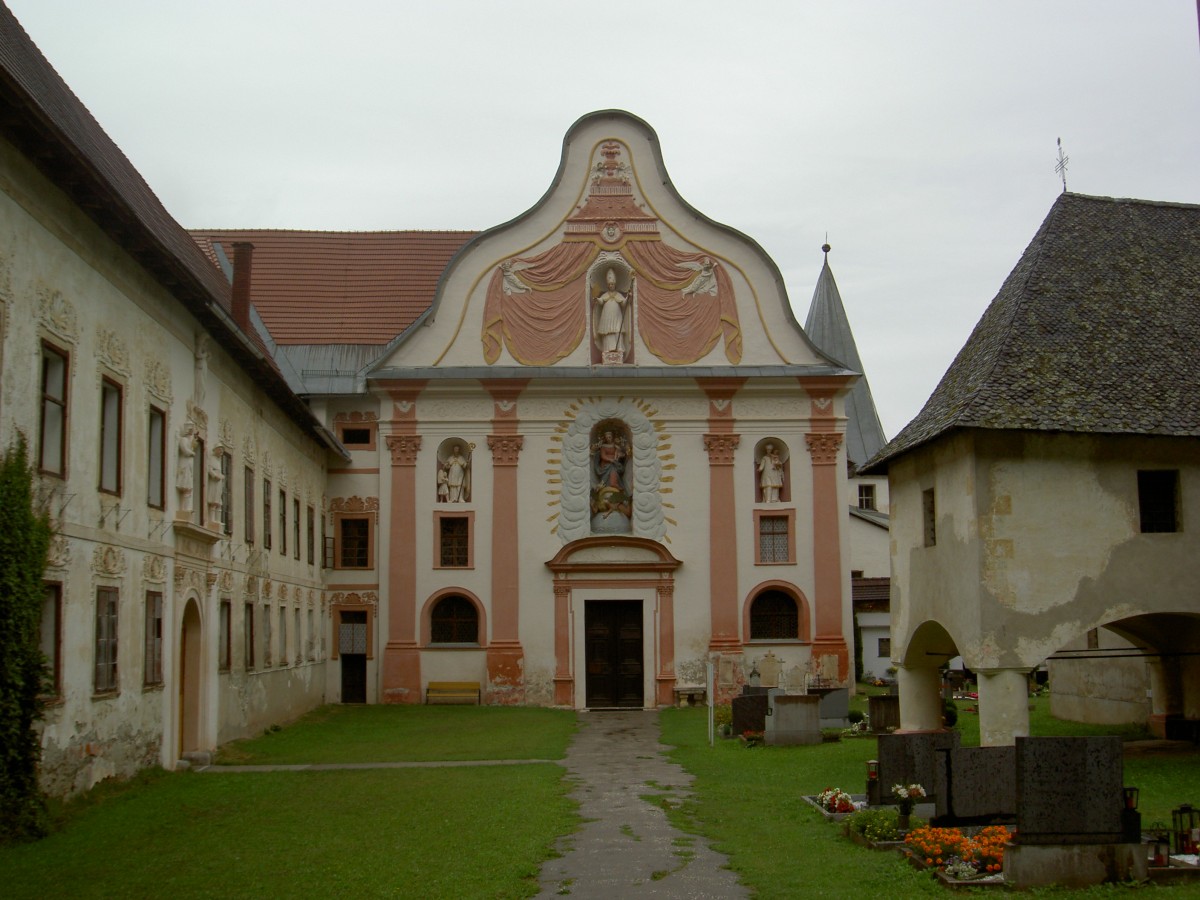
(772, 539)
(312, 517)
(225, 636)
(110, 437)
(52, 443)
(327, 556)
(885, 648)
(105, 680)
(357, 436)
(248, 636)
(199, 483)
(1158, 500)
(455, 539)
(311, 642)
(227, 492)
(929, 512)
(248, 502)
(866, 496)
(283, 654)
(295, 528)
(282, 522)
(50, 636)
(153, 668)
(156, 468)
(267, 515)
(266, 620)
(296, 636)
(354, 539)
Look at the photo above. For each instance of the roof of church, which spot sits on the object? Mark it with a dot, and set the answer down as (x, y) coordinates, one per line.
(339, 287)
(47, 123)
(829, 328)
(1096, 330)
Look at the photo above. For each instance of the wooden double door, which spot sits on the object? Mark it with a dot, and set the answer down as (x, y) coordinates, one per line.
(613, 654)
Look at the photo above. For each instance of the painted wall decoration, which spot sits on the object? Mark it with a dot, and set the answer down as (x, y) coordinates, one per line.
(682, 303)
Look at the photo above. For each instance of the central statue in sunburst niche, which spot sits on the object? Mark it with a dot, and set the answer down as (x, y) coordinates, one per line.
(611, 316)
(612, 501)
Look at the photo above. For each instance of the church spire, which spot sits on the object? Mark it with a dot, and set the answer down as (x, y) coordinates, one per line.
(828, 328)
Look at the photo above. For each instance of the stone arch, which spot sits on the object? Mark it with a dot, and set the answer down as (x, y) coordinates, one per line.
(438, 596)
(930, 644)
(803, 610)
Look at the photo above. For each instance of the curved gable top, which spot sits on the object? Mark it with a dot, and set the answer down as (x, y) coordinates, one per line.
(610, 267)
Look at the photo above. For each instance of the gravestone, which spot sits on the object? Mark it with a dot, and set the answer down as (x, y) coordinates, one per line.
(1068, 790)
(835, 707)
(911, 758)
(794, 680)
(884, 711)
(750, 711)
(975, 786)
(793, 719)
(768, 669)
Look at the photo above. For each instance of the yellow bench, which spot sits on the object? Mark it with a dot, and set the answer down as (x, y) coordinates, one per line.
(452, 692)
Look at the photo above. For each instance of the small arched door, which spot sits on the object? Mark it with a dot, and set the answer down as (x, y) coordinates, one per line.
(189, 679)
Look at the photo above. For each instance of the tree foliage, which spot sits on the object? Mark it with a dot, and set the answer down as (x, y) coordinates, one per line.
(24, 541)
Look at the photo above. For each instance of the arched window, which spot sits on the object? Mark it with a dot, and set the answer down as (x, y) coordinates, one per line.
(774, 617)
(454, 620)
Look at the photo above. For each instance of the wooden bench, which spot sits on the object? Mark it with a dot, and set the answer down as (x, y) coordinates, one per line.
(452, 692)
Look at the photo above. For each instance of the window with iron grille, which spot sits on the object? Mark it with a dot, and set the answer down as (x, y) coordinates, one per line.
(248, 502)
(50, 635)
(454, 541)
(774, 617)
(311, 538)
(454, 620)
(929, 512)
(107, 602)
(282, 522)
(267, 514)
(773, 539)
(227, 492)
(355, 545)
(156, 477)
(248, 636)
(1158, 500)
(110, 436)
(295, 528)
(154, 649)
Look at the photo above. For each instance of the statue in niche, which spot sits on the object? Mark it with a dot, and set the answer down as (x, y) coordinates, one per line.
(185, 468)
(454, 476)
(770, 468)
(612, 505)
(610, 318)
(200, 378)
(215, 477)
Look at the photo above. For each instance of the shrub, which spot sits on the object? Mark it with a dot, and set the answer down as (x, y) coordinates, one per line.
(950, 713)
(875, 824)
(723, 715)
(855, 716)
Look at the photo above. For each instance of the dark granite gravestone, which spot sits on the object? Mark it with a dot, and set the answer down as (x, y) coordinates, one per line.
(975, 786)
(884, 711)
(910, 758)
(749, 713)
(835, 706)
(1069, 790)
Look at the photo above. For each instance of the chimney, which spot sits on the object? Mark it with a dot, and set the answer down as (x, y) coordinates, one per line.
(243, 256)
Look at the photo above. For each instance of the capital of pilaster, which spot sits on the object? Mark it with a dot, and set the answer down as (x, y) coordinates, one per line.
(404, 448)
(720, 448)
(505, 448)
(824, 447)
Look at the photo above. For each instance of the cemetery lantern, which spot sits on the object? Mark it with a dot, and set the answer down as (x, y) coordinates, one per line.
(1162, 848)
(1131, 819)
(873, 795)
(1185, 824)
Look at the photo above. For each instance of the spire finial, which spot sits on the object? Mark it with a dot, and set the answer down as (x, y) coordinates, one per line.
(1061, 166)
(825, 248)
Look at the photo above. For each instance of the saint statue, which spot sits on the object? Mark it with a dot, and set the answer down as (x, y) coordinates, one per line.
(608, 491)
(770, 468)
(454, 476)
(608, 317)
(184, 469)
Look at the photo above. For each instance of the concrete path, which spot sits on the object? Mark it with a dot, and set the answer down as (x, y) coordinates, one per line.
(626, 847)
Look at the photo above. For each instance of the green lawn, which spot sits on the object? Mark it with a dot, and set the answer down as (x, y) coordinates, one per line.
(369, 734)
(747, 801)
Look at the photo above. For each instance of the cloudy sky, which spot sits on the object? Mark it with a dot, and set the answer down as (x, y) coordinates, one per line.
(919, 135)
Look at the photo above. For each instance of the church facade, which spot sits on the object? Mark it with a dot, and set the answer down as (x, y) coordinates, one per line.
(573, 459)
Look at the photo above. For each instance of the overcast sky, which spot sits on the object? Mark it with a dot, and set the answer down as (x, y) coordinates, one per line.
(919, 135)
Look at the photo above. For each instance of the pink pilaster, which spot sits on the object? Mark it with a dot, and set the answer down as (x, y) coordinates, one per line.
(721, 442)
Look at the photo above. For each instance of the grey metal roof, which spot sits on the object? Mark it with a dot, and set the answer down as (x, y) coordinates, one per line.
(874, 516)
(829, 329)
(604, 372)
(1096, 330)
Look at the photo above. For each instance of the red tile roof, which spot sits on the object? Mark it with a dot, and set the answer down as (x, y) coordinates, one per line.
(348, 287)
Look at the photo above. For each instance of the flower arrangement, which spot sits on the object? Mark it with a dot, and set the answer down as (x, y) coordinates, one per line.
(907, 795)
(982, 854)
(835, 800)
(753, 738)
(875, 825)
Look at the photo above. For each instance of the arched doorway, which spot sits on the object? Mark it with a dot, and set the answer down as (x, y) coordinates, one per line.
(189, 679)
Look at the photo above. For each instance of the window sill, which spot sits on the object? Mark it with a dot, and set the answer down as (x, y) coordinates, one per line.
(796, 641)
(466, 568)
(432, 646)
(105, 695)
(152, 688)
(790, 562)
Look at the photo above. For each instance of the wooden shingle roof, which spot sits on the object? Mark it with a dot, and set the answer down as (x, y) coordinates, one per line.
(1096, 330)
(328, 287)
